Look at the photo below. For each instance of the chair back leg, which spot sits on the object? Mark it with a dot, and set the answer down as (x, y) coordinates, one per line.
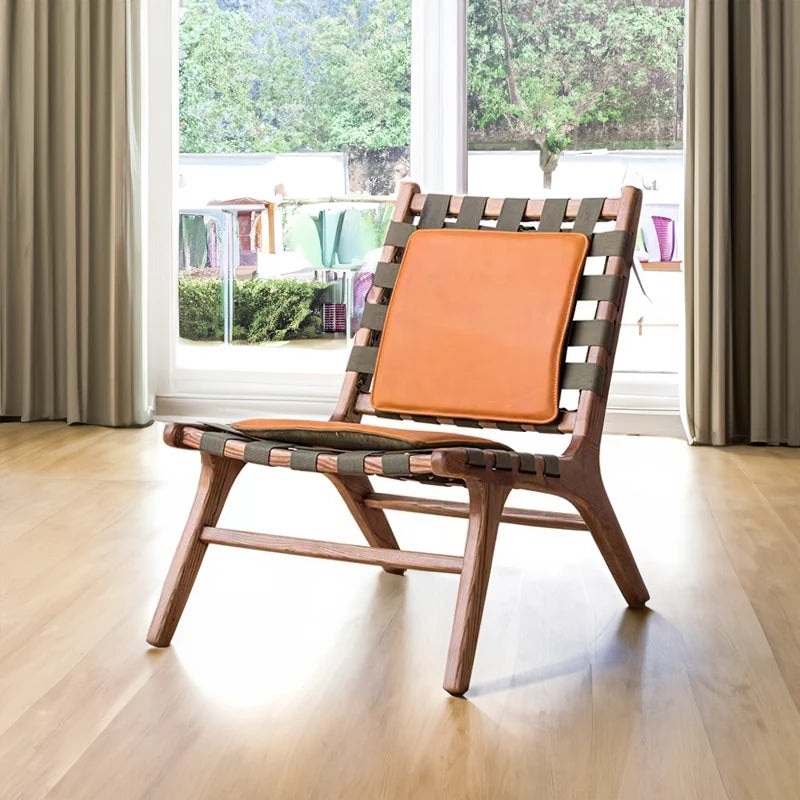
(216, 479)
(598, 513)
(371, 521)
(486, 501)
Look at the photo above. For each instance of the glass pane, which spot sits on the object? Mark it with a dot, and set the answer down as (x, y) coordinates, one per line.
(294, 134)
(576, 98)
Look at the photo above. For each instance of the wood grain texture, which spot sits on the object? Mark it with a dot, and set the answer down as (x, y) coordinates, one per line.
(316, 548)
(486, 502)
(296, 678)
(216, 478)
(373, 465)
(448, 508)
(371, 520)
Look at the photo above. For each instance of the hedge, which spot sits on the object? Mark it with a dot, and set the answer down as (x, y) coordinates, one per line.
(263, 310)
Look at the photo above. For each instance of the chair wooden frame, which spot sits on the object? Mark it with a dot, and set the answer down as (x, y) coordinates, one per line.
(489, 475)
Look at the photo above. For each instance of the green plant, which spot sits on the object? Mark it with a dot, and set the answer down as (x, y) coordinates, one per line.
(263, 310)
(200, 309)
(274, 310)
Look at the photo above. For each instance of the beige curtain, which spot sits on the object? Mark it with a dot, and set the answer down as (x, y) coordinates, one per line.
(743, 221)
(71, 296)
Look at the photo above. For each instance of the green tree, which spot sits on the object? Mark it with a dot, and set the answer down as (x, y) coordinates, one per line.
(538, 71)
(281, 75)
(359, 74)
(240, 89)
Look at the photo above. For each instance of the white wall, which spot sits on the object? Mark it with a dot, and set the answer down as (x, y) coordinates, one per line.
(516, 173)
(203, 178)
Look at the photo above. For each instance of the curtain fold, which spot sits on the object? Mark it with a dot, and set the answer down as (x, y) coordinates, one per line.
(71, 277)
(743, 222)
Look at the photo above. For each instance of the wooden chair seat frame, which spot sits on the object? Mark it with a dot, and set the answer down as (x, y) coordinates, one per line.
(489, 475)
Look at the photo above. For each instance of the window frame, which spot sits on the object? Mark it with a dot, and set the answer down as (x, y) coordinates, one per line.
(639, 403)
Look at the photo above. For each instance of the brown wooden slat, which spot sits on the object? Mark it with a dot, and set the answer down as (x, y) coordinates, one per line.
(449, 508)
(314, 548)
(373, 465)
(533, 210)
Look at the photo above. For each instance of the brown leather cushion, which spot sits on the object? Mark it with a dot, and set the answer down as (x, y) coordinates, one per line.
(476, 325)
(354, 436)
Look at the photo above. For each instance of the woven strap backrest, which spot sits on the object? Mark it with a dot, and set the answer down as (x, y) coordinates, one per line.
(591, 340)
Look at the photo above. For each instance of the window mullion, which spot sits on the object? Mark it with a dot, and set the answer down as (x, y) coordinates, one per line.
(439, 95)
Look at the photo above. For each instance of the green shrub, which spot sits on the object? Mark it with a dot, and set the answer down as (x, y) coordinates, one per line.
(263, 310)
(200, 309)
(274, 310)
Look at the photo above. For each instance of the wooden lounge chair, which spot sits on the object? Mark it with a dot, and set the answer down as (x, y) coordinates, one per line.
(469, 323)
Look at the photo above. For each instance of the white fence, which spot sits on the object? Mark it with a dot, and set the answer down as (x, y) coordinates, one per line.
(203, 178)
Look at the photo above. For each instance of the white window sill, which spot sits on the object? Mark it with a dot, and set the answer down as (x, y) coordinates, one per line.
(640, 404)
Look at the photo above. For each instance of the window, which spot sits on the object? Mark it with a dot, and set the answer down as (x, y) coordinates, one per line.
(294, 133)
(286, 126)
(575, 98)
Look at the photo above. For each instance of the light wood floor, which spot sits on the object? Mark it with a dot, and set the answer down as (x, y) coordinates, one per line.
(294, 678)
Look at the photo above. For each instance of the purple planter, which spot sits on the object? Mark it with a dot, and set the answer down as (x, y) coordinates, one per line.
(665, 231)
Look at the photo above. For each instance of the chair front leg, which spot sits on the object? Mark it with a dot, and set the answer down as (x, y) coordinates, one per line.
(486, 501)
(216, 479)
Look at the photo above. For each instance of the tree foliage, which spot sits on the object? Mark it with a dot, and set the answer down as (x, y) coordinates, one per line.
(540, 70)
(358, 77)
(277, 76)
(284, 75)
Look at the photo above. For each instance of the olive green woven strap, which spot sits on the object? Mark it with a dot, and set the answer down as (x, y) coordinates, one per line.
(214, 442)
(593, 287)
(511, 214)
(258, 452)
(352, 463)
(504, 460)
(599, 288)
(611, 243)
(588, 214)
(583, 376)
(471, 213)
(397, 234)
(434, 211)
(553, 213)
(393, 463)
(592, 333)
(396, 464)
(362, 359)
(386, 275)
(374, 316)
(304, 460)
